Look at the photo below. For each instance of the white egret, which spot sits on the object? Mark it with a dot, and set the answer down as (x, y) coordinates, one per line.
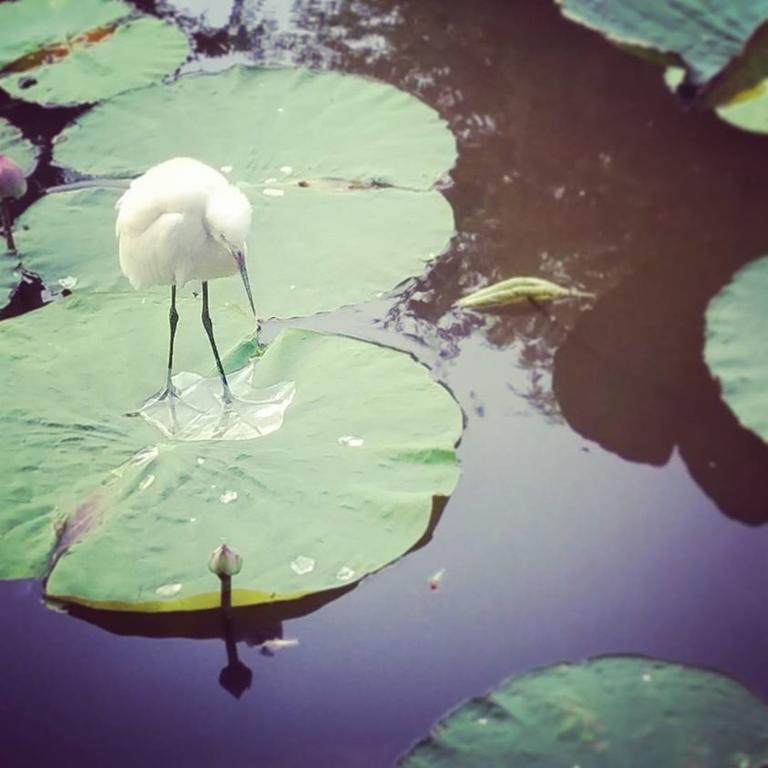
(182, 220)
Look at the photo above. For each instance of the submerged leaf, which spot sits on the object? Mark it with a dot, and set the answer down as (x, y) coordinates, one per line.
(116, 513)
(735, 348)
(518, 289)
(602, 714)
(77, 51)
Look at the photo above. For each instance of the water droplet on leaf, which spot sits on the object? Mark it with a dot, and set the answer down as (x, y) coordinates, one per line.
(68, 282)
(168, 590)
(345, 573)
(302, 565)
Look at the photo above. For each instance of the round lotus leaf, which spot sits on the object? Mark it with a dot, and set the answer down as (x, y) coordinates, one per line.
(62, 55)
(707, 36)
(15, 146)
(735, 348)
(339, 169)
(269, 128)
(620, 711)
(126, 519)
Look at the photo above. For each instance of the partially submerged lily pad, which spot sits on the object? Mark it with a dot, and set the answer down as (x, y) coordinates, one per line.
(516, 290)
(78, 51)
(602, 714)
(118, 513)
(14, 145)
(704, 37)
(735, 348)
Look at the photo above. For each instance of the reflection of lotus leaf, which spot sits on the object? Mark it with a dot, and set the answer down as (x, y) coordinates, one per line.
(705, 36)
(128, 520)
(735, 351)
(76, 51)
(602, 714)
(15, 146)
(340, 171)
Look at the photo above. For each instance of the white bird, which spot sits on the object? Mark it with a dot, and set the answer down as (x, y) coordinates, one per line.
(182, 220)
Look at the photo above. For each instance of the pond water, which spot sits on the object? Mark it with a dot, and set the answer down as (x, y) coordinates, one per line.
(609, 502)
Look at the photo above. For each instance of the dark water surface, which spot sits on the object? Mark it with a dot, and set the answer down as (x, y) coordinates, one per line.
(609, 502)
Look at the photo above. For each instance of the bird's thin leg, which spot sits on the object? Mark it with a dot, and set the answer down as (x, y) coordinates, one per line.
(173, 318)
(208, 325)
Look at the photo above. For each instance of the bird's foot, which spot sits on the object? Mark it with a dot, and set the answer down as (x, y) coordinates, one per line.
(235, 414)
(169, 393)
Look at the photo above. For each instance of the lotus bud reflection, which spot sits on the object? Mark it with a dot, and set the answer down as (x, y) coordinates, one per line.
(12, 181)
(225, 561)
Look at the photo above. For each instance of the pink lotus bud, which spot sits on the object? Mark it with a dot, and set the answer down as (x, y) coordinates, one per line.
(12, 181)
(225, 561)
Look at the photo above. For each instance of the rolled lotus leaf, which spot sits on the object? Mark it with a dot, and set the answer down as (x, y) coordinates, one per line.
(516, 290)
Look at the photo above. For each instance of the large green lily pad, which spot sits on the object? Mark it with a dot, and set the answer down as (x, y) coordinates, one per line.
(340, 171)
(610, 712)
(128, 518)
(78, 51)
(14, 145)
(704, 36)
(735, 348)
(257, 122)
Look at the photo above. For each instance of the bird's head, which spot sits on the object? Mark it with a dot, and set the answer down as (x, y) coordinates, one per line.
(228, 218)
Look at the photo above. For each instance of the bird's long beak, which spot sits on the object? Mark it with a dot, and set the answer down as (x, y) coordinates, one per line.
(240, 259)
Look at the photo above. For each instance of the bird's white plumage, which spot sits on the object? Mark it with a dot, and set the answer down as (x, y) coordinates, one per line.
(180, 221)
